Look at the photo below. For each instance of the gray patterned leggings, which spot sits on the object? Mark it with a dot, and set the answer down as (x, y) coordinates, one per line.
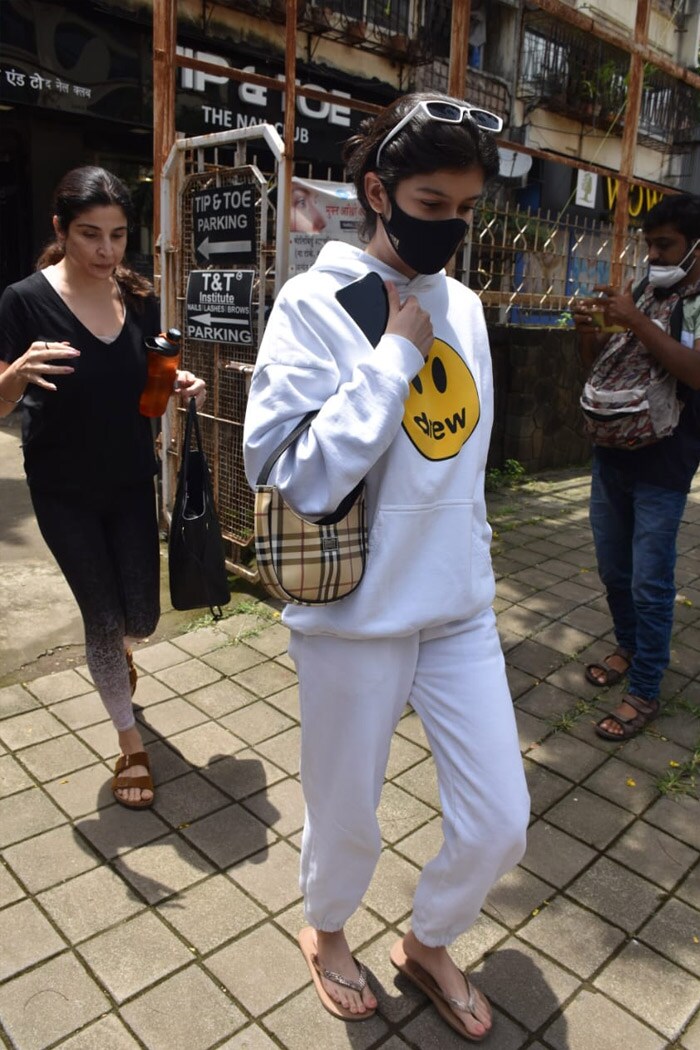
(106, 545)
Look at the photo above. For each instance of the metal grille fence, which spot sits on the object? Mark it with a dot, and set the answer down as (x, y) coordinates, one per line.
(528, 267)
(225, 366)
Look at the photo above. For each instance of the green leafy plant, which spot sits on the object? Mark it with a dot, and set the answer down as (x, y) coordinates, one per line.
(511, 473)
(513, 469)
(682, 778)
(263, 612)
(568, 719)
(611, 89)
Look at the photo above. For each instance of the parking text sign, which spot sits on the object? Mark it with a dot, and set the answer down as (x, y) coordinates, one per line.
(219, 306)
(223, 221)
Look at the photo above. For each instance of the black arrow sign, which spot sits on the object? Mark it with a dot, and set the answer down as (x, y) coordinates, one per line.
(223, 225)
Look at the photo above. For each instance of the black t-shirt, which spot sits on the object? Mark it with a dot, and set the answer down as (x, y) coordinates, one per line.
(88, 433)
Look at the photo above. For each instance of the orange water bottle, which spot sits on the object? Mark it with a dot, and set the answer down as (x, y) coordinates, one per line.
(163, 360)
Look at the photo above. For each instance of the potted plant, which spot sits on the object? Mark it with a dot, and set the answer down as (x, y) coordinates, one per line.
(355, 31)
(397, 43)
(581, 97)
(611, 91)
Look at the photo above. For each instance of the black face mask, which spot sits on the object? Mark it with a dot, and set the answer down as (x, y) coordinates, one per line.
(426, 245)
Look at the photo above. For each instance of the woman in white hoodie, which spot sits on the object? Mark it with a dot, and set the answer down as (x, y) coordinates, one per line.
(413, 417)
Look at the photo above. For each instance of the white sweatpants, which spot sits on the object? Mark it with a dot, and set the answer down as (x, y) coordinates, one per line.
(352, 694)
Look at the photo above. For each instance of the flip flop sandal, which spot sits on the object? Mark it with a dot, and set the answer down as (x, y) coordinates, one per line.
(608, 675)
(133, 673)
(444, 1004)
(647, 711)
(307, 943)
(145, 783)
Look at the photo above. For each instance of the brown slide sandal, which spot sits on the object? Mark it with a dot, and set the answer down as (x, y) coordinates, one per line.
(145, 783)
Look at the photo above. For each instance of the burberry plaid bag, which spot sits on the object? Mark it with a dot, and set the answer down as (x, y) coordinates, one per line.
(308, 562)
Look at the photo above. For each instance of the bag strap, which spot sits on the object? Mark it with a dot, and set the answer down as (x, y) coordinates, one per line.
(283, 446)
(191, 424)
(639, 290)
(675, 321)
(301, 427)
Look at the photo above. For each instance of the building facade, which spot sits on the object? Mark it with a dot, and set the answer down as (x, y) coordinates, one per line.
(76, 88)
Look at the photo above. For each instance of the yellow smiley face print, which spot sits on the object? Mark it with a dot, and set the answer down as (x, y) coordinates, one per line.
(442, 408)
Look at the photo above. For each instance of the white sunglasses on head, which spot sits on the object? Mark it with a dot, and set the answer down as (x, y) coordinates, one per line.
(447, 113)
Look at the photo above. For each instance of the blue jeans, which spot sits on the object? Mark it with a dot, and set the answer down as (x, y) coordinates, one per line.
(635, 526)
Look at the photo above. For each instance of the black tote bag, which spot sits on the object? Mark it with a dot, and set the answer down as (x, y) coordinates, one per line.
(195, 548)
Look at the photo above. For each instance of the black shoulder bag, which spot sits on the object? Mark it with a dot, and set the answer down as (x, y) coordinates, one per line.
(196, 562)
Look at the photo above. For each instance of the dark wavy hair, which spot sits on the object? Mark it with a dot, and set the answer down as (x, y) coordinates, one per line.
(79, 190)
(681, 210)
(421, 147)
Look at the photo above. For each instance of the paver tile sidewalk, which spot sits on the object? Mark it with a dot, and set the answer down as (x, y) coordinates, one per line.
(174, 928)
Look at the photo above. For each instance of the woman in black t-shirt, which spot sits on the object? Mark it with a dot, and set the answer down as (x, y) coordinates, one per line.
(72, 353)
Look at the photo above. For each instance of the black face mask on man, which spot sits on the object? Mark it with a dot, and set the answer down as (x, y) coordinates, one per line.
(426, 245)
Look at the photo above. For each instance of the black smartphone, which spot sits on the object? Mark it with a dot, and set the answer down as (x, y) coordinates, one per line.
(368, 304)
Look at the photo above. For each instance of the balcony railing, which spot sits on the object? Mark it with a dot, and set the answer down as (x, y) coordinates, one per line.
(407, 31)
(565, 71)
(482, 89)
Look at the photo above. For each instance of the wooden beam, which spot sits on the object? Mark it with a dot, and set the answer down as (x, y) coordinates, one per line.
(273, 83)
(290, 105)
(164, 38)
(459, 48)
(584, 165)
(629, 139)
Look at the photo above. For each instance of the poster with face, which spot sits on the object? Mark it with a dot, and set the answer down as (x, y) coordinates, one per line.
(320, 212)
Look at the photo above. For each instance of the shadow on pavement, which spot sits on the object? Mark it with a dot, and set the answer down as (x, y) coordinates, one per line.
(512, 979)
(197, 822)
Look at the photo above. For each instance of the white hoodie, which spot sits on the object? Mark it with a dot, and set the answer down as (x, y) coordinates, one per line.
(417, 431)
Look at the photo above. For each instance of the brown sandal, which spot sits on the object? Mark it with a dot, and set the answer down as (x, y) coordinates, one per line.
(608, 675)
(145, 783)
(647, 711)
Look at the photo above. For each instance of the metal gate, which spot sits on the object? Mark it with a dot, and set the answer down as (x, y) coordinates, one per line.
(199, 192)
